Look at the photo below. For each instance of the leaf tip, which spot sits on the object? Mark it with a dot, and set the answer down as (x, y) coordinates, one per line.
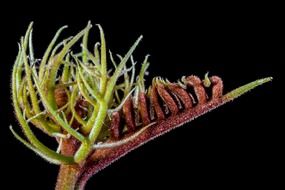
(246, 88)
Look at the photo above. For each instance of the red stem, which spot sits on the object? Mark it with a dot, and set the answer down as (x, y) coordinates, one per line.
(102, 158)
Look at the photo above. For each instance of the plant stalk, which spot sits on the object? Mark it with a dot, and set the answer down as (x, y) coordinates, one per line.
(68, 174)
(67, 177)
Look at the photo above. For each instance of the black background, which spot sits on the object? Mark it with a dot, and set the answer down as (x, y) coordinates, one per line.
(233, 146)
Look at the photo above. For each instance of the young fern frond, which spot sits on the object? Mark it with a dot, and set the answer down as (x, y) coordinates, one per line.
(98, 114)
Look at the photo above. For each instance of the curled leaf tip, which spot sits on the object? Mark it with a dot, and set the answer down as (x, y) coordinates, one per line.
(206, 81)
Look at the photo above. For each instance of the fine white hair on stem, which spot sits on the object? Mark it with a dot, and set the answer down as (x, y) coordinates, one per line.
(123, 141)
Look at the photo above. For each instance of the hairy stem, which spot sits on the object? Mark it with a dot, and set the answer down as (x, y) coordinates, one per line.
(102, 158)
(67, 177)
(68, 173)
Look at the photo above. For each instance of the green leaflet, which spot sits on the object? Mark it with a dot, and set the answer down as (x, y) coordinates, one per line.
(245, 88)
